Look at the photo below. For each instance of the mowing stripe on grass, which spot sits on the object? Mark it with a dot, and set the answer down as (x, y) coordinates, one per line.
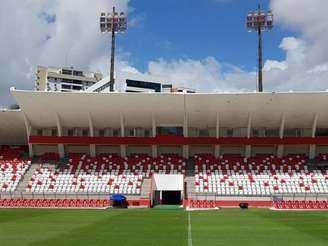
(189, 231)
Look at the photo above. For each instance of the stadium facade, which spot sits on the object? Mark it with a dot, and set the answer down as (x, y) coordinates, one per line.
(233, 123)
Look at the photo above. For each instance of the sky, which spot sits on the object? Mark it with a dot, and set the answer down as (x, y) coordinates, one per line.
(198, 44)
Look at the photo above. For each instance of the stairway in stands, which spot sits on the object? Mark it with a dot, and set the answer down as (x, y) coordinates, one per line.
(145, 189)
(190, 186)
(190, 167)
(27, 177)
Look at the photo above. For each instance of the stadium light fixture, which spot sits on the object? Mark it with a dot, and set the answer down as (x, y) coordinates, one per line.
(259, 21)
(113, 23)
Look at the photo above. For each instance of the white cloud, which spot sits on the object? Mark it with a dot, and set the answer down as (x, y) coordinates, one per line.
(307, 54)
(31, 37)
(74, 39)
(205, 75)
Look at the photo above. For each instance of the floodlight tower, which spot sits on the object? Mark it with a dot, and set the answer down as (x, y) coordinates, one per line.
(113, 23)
(259, 21)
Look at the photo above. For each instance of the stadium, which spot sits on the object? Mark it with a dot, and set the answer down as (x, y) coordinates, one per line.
(180, 167)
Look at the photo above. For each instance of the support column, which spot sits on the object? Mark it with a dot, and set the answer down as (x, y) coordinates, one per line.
(217, 148)
(92, 134)
(28, 134)
(248, 148)
(280, 148)
(312, 151)
(154, 148)
(61, 149)
(313, 147)
(185, 150)
(123, 146)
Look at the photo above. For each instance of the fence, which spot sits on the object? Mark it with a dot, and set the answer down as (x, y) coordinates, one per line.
(272, 197)
(55, 195)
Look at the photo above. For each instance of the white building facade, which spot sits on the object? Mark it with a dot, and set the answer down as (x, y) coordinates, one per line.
(64, 79)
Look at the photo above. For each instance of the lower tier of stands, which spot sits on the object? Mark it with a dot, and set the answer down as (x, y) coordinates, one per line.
(52, 181)
(103, 173)
(295, 204)
(261, 176)
(225, 203)
(66, 203)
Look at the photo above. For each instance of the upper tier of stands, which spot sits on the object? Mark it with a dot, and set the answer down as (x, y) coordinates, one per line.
(263, 175)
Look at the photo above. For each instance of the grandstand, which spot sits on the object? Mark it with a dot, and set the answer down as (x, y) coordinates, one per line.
(196, 150)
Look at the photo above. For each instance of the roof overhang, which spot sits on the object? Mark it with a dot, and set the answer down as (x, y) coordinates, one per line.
(233, 109)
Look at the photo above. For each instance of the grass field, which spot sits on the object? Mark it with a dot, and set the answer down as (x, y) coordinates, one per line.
(162, 227)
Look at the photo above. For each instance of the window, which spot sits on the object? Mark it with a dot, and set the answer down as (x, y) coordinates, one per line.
(293, 132)
(76, 88)
(169, 131)
(306, 132)
(229, 133)
(256, 133)
(67, 71)
(78, 82)
(78, 73)
(140, 132)
(260, 133)
(147, 133)
(193, 132)
(85, 132)
(321, 132)
(101, 132)
(39, 132)
(272, 133)
(70, 132)
(203, 133)
(116, 133)
(131, 132)
(67, 87)
(53, 132)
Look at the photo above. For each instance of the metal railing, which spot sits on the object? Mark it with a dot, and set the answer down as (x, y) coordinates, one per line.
(272, 197)
(57, 195)
(217, 197)
(301, 197)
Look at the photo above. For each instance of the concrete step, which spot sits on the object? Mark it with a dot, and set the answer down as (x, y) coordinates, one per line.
(26, 178)
(145, 189)
(190, 185)
(190, 167)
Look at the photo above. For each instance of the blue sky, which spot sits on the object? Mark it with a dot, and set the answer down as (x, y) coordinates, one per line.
(196, 29)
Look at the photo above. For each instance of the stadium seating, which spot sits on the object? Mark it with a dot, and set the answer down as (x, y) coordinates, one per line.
(12, 169)
(296, 204)
(105, 173)
(202, 204)
(54, 203)
(322, 157)
(261, 176)
(86, 174)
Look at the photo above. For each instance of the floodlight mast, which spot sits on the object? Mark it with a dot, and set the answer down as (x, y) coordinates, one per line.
(260, 21)
(112, 59)
(113, 23)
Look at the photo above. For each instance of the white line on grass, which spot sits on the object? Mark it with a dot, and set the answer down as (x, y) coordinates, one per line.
(189, 231)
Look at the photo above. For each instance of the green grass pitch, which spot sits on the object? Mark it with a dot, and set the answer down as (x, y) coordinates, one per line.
(162, 227)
